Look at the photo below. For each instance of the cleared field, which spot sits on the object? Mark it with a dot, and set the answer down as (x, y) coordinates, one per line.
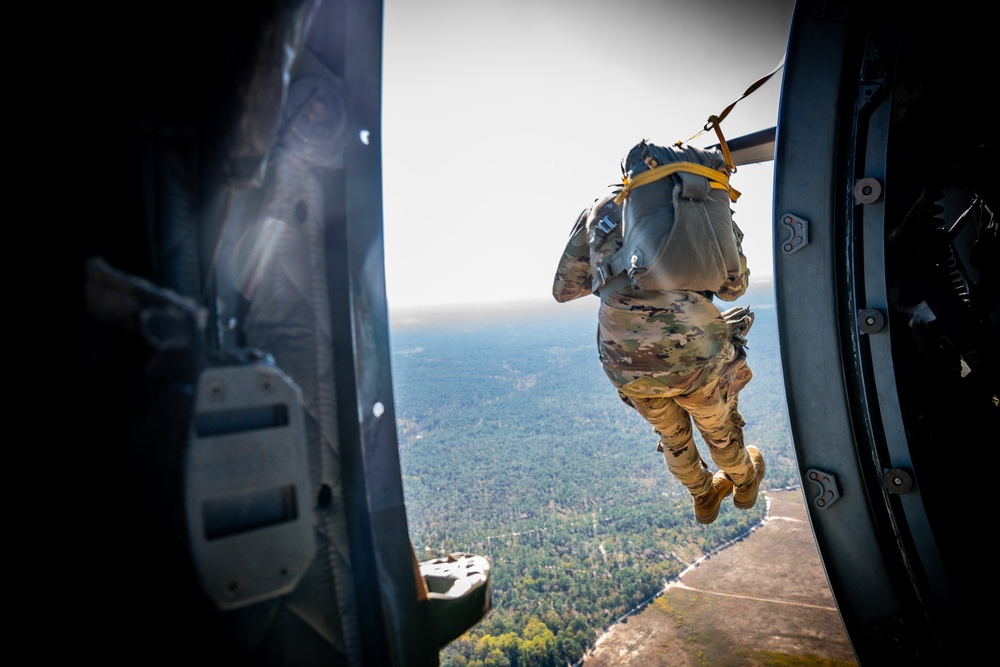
(762, 601)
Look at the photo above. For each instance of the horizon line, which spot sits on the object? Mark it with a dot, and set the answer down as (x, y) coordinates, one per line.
(513, 303)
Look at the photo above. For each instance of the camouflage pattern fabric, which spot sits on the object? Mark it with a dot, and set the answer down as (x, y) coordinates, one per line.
(573, 277)
(671, 356)
(666, 334)
(586, 250)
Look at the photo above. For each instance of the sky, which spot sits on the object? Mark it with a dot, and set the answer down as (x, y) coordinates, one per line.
(503, 119)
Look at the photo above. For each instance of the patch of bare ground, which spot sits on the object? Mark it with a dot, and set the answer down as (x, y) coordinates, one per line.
(764, 600)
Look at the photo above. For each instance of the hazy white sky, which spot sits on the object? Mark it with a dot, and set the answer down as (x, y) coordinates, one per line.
(503, 119)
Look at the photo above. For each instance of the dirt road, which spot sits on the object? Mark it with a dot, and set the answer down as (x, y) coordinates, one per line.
(758, 602)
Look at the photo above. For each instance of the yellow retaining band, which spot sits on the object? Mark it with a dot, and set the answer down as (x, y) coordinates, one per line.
(719, 180)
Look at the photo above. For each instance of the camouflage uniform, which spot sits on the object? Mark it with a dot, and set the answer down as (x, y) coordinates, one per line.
(671, 356)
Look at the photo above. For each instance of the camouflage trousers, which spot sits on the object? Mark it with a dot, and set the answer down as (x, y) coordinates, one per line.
(709, 397)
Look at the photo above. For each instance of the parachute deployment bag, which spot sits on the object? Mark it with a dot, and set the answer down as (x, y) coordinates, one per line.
(678, 231)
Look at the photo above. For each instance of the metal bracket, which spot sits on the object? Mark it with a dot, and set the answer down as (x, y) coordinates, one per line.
(459, 591)
(828, 491)
(798, 233)
(247, 487)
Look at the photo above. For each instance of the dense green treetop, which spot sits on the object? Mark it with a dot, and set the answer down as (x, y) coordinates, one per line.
(514, 446)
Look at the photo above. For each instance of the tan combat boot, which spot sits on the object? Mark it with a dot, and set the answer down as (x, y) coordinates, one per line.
(745, 495)
(706, 505)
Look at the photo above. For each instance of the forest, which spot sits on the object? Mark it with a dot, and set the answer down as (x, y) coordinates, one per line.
(514, 446)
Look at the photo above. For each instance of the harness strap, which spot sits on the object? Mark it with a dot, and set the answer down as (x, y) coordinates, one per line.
(616, 283)
(717, 179)
(605, 219)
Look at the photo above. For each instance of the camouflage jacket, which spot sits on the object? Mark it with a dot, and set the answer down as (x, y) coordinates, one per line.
(671, 333)
(589, 247)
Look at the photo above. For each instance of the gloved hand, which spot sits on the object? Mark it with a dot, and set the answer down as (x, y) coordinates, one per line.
(739, 319)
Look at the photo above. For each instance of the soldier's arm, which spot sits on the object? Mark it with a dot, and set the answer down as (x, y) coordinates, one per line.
(573, 278)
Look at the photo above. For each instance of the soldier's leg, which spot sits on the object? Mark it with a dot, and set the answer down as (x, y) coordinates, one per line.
(737, 372)
(715, 410)
(673, 425)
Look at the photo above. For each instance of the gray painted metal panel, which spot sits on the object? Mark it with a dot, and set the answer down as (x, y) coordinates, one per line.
(876, 310)
(810, 318)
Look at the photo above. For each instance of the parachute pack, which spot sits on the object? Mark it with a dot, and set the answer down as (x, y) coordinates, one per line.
(677, 226)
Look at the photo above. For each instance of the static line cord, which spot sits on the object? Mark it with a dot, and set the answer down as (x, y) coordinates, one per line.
(714, 122)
